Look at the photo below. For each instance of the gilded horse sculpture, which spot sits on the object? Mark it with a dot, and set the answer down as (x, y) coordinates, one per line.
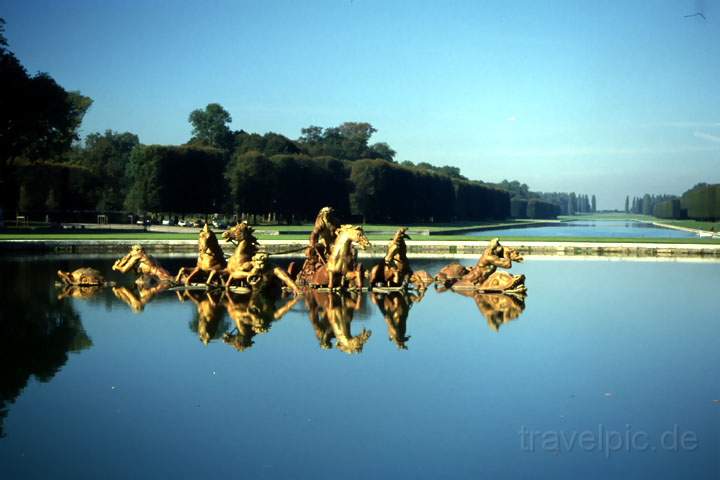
(250, 266)
(342, 265)
(211, 259)
(321, 240)
(394, 271)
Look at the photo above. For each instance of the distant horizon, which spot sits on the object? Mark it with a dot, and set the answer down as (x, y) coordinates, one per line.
(608, 100)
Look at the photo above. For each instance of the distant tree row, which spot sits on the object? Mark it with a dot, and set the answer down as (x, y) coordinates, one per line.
(646, 204)
(527, 204)
(294, 186)
(702, 202)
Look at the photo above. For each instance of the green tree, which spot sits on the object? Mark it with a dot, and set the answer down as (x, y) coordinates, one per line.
(210, 127)
(250, 178)
(159, 180)
(38, 118)
(627, 203)
(383, 150)
(107, 156)
(594, 204)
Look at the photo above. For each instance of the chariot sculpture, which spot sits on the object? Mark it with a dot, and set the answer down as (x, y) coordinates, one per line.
(484, 276)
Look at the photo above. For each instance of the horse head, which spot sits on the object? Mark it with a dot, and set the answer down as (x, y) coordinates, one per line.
(238, 233)
(353, 233)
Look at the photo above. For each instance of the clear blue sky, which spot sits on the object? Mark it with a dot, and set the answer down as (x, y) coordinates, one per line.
(608, 98)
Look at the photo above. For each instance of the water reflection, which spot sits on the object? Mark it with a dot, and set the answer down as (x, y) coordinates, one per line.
(40, 323)
(331, 314)
(395, 307)
(498, 309)
(237, 318)
(38, 329)
(208, 323)
(252, 313)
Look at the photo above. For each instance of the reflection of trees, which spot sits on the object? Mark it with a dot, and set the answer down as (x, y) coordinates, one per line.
(36, 329)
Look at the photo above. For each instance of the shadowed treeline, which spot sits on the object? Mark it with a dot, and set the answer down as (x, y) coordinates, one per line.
(37, 331)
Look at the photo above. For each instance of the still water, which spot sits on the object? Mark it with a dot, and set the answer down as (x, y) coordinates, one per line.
(590, 228)
(610, 369)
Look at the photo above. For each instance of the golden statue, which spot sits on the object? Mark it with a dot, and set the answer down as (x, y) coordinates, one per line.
(142, 264)
(258, 274)
(324, 231)
(394, 271)
(342, 265)
(246, 245)
(321, 240)
(484, 276)
(211, 259)
(82, 277)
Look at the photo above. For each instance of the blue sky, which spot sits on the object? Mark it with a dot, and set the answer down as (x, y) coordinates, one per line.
(611, 98)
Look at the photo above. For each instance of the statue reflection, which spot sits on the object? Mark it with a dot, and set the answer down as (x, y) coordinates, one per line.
(395, 307)
(81, 292)
(253, 313)
(497, 308)
(331, 314)
(209, 313)
(144, 291)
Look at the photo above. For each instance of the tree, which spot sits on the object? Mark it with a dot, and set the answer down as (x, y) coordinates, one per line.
(38, 118)
(594, 204)
(627, 203)
(210, 127)
(250, 179)
(383, 150)
(159, 180)
(107, 156)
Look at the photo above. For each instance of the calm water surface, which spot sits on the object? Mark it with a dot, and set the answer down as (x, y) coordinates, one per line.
(590, 228)
(618, 353)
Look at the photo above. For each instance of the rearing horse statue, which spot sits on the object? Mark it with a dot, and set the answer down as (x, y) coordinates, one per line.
(246, 244)
(211, 259)
(342, 265)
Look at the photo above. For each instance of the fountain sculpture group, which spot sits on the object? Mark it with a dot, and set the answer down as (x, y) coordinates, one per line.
(330, 279)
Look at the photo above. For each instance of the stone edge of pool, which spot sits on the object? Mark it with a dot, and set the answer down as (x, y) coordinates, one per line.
(416, 248)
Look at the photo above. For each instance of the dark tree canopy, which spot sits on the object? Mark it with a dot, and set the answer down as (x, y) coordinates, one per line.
(38, 118)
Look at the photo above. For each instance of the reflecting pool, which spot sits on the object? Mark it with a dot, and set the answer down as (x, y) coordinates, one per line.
(590, 228)
(607, 369)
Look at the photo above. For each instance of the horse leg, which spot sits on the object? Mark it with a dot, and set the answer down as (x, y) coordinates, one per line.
(191, 275)
(180, 274)
(359, 276)
(229, 281)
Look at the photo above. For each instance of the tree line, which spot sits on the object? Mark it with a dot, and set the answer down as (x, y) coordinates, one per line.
(45, 169)
(701, 202)
(528, 204)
